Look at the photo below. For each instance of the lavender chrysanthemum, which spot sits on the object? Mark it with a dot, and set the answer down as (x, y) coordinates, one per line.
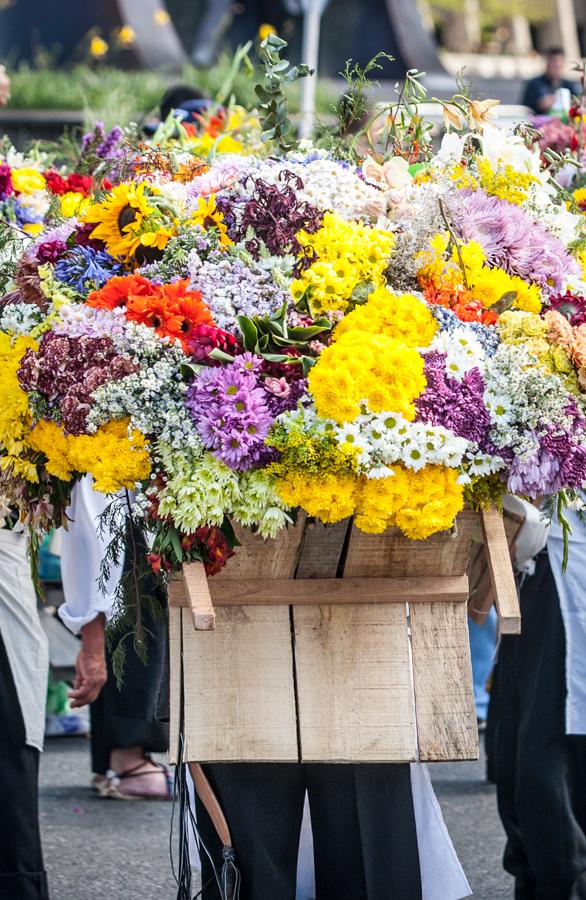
(512, 240)
(230, 412)
(456, 404)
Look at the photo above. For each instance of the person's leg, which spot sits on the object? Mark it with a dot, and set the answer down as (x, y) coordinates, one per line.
(554, 842)
(482, 646)
(365, 838)
(263, 805)
(22, 874)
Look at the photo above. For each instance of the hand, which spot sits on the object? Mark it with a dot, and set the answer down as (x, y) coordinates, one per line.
(90, 677)
(91, 673)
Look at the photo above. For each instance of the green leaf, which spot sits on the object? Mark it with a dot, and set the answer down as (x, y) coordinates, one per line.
(249, 332)
(176, 543)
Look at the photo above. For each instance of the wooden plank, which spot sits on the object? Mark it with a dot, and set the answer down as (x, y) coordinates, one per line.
(391, 553)
(257, 557)
(321, 550)
(239, 690)
(354, 684)
(442, 674)
(321, 591)
(501, 571)
(175, 663)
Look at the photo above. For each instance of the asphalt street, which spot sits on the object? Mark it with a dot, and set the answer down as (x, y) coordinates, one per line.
(114, 850)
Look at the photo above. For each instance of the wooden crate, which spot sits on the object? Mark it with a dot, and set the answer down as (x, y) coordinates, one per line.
(329, 645)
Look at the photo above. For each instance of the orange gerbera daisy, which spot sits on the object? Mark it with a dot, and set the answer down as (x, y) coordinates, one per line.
(155, 312)
(117, 290)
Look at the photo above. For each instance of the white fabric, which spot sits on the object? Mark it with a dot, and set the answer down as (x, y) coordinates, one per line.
(571, 588)
(442, 876)
(533, 534)
(82, 552)
(25, 641)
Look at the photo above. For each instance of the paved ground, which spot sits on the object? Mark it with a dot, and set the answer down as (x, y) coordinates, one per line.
(97, 850)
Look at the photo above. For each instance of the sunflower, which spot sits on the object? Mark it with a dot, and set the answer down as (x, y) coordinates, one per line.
(126, 205)
(209, 216)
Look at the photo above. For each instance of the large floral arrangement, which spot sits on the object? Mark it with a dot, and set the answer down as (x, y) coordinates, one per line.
(237, 337)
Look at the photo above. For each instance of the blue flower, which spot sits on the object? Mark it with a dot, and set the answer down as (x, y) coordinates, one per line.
(449, 321)
(84, 267)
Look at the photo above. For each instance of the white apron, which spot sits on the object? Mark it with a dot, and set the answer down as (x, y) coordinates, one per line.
(25, 641)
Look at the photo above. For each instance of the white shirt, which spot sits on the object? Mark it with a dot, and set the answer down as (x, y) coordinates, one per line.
(571, 588)
(82, 550)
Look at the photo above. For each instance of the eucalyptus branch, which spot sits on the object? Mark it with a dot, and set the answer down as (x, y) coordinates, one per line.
(273, 109)
(454, 240)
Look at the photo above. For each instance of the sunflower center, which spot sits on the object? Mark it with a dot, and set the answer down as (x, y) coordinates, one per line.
(126, 216)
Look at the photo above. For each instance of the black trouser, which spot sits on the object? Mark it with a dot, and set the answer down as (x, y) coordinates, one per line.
(131, 716)
(22, 876)
(541, 772)
(365, 842)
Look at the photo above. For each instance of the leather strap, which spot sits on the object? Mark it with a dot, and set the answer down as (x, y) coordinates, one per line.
(211, 803)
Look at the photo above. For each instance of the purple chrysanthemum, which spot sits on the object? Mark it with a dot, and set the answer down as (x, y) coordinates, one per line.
(512, 240)
(457, 405)
(229, 407)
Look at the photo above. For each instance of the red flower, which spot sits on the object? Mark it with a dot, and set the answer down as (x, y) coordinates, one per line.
(55, 182)
(216, 546)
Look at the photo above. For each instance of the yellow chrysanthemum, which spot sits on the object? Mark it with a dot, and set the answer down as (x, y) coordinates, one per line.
(28, 180)
(116, 458)
(490, 285)
(15, 417)
(402, 317)
(347, 254)
(125, 205)
(419, 503)
(366, 367)
(327, 496)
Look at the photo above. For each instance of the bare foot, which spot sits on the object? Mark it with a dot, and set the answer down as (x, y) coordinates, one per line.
(146, 780)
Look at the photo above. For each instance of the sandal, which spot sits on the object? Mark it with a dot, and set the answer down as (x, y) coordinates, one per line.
(107, 786)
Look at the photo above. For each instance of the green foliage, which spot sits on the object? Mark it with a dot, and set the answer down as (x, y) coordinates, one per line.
(272, 101)
(491, 11)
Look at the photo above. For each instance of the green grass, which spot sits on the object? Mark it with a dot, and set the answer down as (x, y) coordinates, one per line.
(117, 96)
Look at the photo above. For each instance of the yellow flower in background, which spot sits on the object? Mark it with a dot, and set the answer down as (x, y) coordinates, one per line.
(158, 239)
(161, 16)
(98, 47)
(73, 203)
(362, 367)
(126, 35)
(118, 217)
(205, 143)
(114, 456)
(33, 228)
(28, 180)
(403, 317)
(264, 31)
(579, 196)
(482, 112)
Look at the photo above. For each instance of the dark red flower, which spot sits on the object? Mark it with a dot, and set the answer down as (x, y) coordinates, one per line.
(6, 186)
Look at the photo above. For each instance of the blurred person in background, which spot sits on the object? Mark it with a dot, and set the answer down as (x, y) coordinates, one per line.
(550, 92)
(125, 723)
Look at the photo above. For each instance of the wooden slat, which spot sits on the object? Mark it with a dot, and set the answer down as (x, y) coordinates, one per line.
(392, 554)
(501, 571)
(321, 591)
(239, 690)
(198, 591)
(175, 663)
(257, 557)
(321, 549)
(354, 684)
(442, 674)
(481, 593)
